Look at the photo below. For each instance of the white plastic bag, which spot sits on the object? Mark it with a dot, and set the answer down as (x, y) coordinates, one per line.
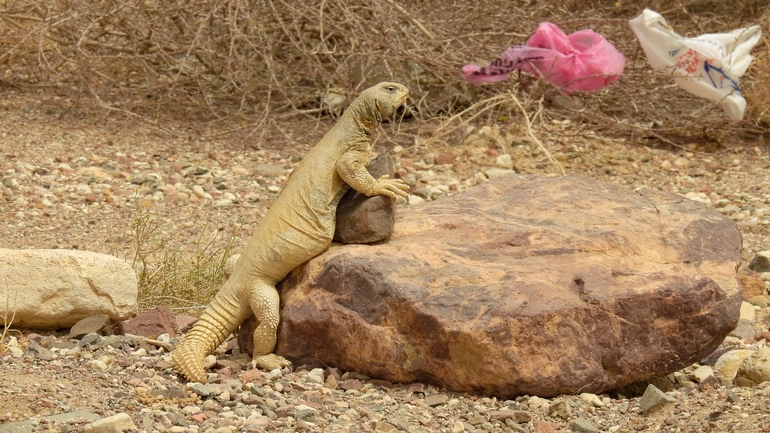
(708, 66)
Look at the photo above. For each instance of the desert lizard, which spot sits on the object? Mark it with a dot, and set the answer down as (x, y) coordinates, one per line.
(298, 226)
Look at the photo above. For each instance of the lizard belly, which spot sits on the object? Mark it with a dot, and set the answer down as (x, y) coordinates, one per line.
(285, 240)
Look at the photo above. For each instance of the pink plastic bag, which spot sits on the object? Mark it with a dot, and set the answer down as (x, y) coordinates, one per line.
(583, 60)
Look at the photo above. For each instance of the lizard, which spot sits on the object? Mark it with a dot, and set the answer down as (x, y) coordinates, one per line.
(299, 225)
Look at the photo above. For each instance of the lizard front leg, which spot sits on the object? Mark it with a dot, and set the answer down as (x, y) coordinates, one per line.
(351, 167)
(265, 304)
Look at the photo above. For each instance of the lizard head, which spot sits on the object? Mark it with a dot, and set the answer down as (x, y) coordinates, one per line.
(388, 97)
(376, 103)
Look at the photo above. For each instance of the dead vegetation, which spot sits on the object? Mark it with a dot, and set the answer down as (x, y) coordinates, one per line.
(168, 275)
(7, 322)
(225, 63)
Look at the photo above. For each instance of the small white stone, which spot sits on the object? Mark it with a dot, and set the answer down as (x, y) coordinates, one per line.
(592, 399)
(198, 191)
(504, 161)
(748, 312)
(97, 365)
(495, 172)
(113, 424)
(191, 410)
(314, 378)
(209, 361)
(702, 373)
(415, 199)
(274, 374)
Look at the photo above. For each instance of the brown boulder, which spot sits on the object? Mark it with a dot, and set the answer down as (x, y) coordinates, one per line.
(523, 285)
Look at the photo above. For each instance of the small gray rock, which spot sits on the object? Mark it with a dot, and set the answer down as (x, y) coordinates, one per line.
(305, 412)
(745, 330)
(39, 352)
(97, 324)
(202, 390)
(560, 409)
(436, 400)
(582, 425)
(761, 262)
(90, 339)
(654, 398)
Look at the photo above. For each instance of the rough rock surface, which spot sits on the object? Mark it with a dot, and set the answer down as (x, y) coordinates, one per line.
(57, 288)
(524, 285)
(362, 219)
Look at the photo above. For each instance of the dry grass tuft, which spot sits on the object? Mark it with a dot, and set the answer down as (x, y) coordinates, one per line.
(166, 276)
(7, 323)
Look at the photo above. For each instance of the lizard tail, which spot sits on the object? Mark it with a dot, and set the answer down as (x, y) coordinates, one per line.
(222, 317)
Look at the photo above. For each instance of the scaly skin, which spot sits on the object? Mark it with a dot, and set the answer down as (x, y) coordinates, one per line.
(299, 226)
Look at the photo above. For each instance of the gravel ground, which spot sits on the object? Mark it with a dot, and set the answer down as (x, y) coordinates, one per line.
(79, 183)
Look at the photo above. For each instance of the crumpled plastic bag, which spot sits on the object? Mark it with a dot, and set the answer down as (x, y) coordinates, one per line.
(584, 60)
(708, 66)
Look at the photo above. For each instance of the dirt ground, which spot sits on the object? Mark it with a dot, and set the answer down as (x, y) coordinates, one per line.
(77, 180)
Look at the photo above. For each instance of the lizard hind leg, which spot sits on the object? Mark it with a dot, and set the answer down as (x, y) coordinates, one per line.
(265, 303)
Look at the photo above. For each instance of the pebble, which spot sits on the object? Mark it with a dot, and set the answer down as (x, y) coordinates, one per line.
(495, 172)
(593, 399)
(436, 400)
(202, 390)
(113, 424)
(97, 365)
(748, 312)
(582, 425)
(653, 398)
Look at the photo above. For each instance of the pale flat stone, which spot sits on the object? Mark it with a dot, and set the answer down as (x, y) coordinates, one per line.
(57, 288)
(748, 312)
(729, 363)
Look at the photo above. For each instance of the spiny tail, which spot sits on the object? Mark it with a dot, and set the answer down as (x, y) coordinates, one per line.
(222, 317)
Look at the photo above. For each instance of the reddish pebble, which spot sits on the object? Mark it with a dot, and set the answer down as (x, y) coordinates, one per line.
(445, 158)
(253, 375)
(199, 417)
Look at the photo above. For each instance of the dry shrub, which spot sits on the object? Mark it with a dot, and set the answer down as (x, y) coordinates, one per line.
(213, 61)
(170, 275)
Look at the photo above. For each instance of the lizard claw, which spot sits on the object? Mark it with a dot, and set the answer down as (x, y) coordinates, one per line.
(271, 361)
(391, 187)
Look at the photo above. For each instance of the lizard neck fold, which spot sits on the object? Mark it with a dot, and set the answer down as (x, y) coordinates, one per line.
(365, 114)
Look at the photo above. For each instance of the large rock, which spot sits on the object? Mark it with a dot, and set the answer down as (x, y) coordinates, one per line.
(524, 285)
(57, 288)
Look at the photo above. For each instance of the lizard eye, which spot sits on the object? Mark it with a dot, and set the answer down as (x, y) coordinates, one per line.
(391, 89)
